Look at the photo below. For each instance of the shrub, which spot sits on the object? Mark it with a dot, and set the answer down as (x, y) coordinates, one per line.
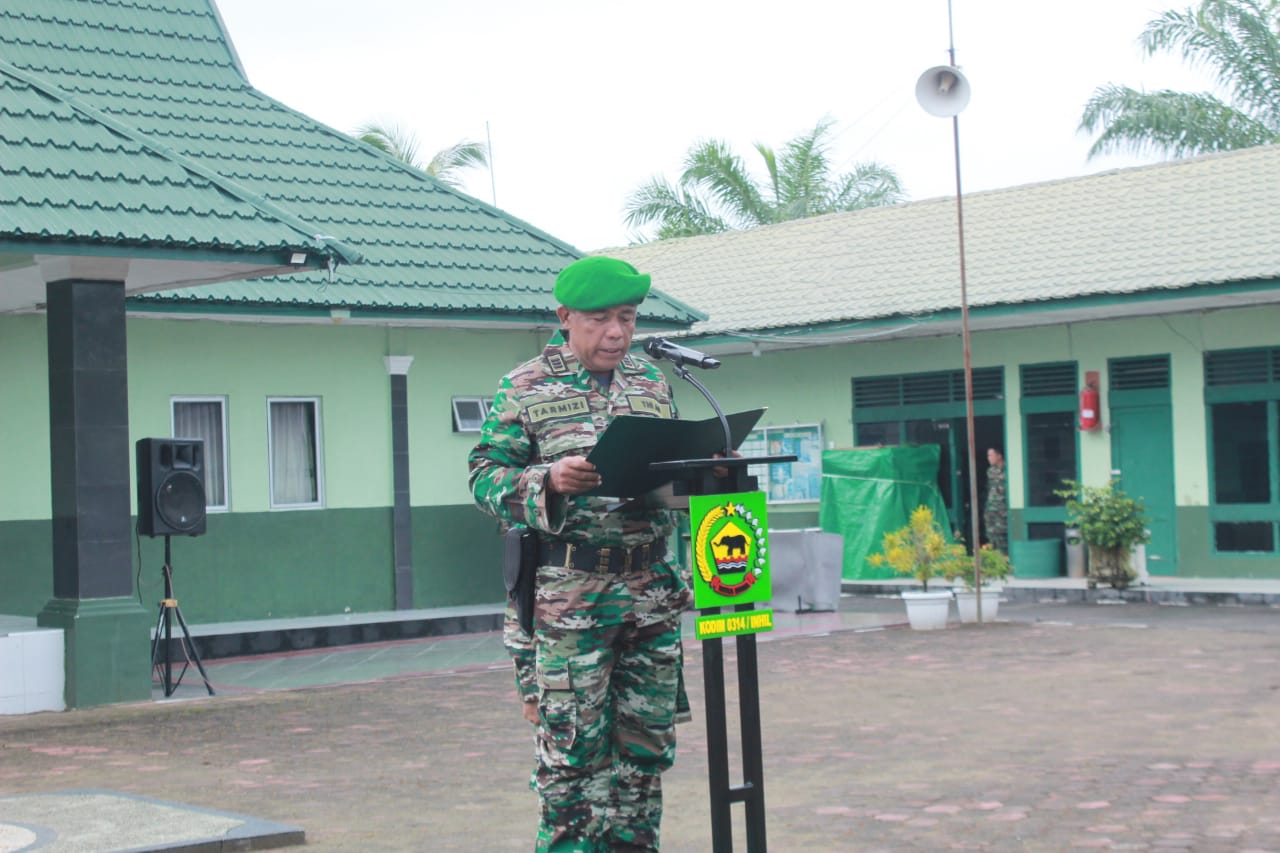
(920, 549)
(1106, 516)
(1111, 523)
(995, 566)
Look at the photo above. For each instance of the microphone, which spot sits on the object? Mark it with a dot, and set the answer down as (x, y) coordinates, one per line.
(678, 355)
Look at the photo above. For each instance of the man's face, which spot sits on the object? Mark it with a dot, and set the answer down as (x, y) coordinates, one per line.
(600, 339)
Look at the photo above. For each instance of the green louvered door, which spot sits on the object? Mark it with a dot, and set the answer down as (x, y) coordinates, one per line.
(1142, 449)
(930, 408)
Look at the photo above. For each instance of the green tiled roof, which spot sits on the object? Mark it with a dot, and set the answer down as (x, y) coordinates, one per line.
(71, 177)
(165, 69)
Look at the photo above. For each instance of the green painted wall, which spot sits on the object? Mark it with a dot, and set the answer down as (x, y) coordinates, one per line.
(277, 565)
(813, 385)
(1195, 549)
(26, 566)
(342, 366)
(807, 386)
(24, 418)
(256, 562)
(793, 516)
(448, 363)
(261, 565)
(457, 557)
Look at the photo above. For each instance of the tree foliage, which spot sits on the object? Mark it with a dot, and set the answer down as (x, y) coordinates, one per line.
(403, 145)
(1239, 42)
(717, 193)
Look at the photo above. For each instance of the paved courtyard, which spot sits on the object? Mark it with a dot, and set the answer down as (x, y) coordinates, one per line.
(1133, 728)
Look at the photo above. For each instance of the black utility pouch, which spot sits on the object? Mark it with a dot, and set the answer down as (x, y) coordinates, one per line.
(520, 572)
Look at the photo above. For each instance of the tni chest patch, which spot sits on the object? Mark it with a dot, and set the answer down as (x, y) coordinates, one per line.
(648, 406)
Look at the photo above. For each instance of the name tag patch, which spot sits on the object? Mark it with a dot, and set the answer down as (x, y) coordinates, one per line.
(570, 407)
(648, 406)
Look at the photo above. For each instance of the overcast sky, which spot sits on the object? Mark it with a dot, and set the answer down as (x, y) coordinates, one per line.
(585, 100)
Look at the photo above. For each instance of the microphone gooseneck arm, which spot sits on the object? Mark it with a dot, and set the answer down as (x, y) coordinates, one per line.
(683, 373)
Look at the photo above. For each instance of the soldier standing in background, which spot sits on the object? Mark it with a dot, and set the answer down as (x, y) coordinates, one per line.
(600, 679)
(996, 513)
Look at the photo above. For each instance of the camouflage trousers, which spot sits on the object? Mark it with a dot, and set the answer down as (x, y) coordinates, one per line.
(607, 653)
(996, 522)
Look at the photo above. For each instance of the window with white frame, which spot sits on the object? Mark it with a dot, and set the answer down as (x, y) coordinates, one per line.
(469, 413)
(205, 418)
(295, 450)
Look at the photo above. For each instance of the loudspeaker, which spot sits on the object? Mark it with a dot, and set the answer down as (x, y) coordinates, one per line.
(171, 498)
(943, 91)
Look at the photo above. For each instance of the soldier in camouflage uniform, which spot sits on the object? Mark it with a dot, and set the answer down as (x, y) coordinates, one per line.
(996, 513)
(604, 662)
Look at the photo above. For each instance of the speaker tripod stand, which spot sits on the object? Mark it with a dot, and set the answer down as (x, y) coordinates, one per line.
(162, 643)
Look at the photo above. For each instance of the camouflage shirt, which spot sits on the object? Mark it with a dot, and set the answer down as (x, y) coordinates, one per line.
(550, 407)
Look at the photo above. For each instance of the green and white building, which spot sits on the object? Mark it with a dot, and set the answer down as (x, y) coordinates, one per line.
(1162, 280)
(181, 255)
(332, 382)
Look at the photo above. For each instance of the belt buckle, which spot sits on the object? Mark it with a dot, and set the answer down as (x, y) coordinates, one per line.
(602, 560)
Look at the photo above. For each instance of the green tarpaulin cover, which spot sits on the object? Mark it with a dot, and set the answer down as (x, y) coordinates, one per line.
(868, 492)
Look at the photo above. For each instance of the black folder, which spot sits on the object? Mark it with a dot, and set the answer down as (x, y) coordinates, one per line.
(632, 442)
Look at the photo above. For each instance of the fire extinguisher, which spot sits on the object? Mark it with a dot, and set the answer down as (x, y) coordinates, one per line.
(1089, 419)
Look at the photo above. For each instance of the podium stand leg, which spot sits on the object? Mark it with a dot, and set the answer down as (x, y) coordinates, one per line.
(717, 746)
(752, 759)
(751, 792)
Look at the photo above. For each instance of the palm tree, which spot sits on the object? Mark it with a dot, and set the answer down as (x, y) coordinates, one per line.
(716, 193)
(403, 145)
(1240, 41)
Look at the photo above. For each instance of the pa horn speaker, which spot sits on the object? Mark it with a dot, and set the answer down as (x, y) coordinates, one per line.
(942, 91)
(171, 496)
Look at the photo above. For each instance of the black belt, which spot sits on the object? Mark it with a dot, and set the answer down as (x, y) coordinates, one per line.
(589, 558)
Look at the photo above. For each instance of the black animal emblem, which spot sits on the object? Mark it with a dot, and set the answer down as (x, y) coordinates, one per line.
(736, 544)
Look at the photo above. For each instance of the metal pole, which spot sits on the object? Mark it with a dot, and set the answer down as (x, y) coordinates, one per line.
(168, 622)
(968, 385)
(717, 744)
(752, 754)
(974, 531)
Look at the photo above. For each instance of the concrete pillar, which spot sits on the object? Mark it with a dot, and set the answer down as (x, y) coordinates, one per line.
(106, 629)
(401, 512)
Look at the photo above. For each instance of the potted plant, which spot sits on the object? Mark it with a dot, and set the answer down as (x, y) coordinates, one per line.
(921, 549)
(995, 567)
(1111, 523)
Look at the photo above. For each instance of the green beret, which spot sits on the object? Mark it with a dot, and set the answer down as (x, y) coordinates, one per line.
(598, 282)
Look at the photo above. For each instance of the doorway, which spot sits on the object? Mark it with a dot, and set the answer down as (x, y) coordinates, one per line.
(952, 437)
(930, 408)
(1142, 450)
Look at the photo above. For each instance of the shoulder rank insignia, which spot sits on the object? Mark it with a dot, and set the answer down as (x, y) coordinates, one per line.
(555, 362)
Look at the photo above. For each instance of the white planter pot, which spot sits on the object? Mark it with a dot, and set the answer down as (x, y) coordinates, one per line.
(967, 604)
(927, 611)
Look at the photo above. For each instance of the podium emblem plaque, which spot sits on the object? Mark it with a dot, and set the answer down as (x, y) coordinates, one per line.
(730, 560)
